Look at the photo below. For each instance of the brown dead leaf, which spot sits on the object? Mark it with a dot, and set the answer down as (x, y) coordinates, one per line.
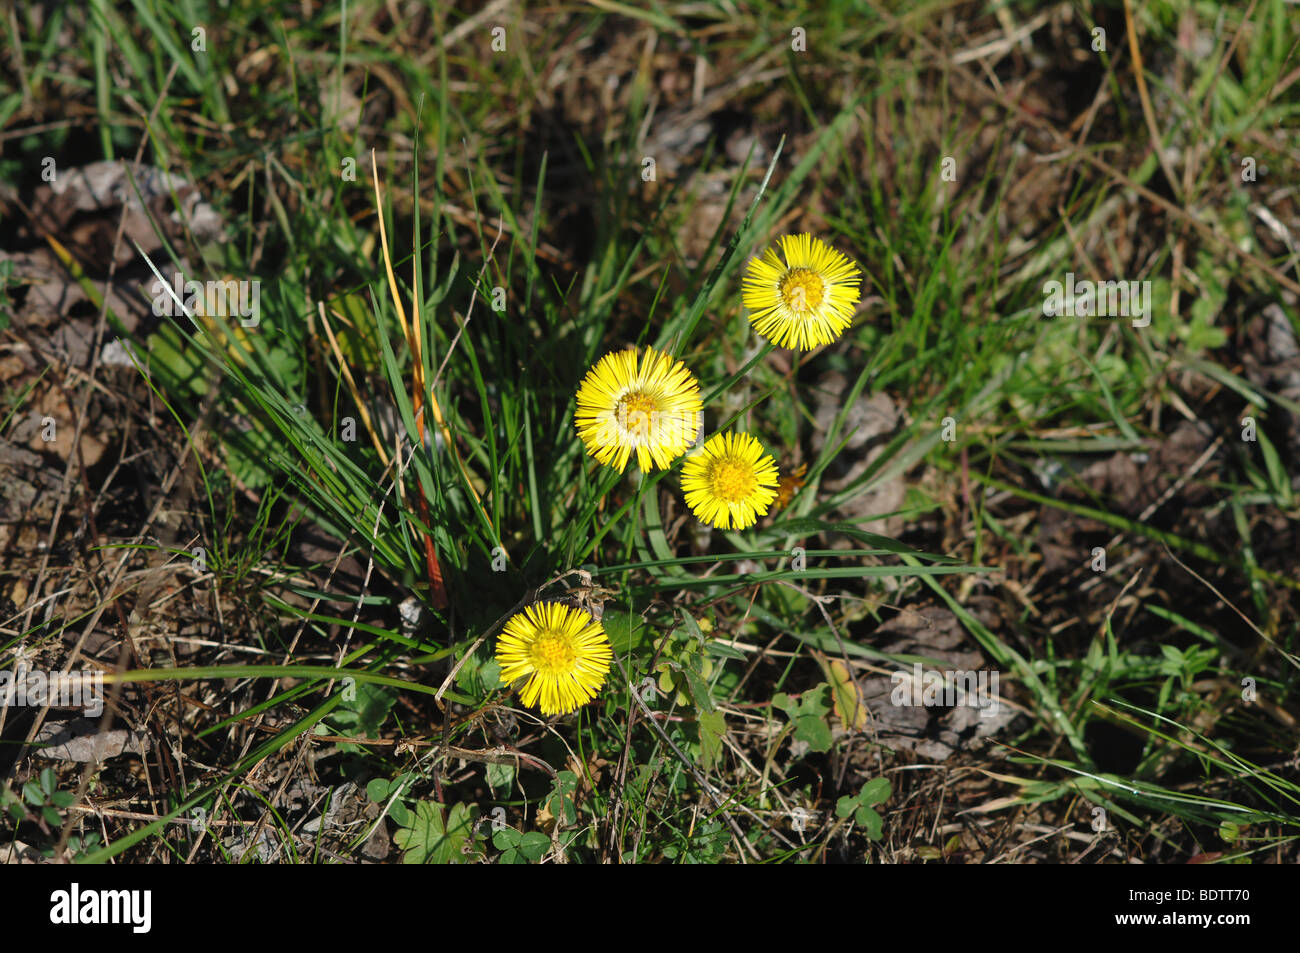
(53, 417)
(80, 740)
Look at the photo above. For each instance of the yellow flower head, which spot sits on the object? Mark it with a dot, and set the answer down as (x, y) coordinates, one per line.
(731, 482)
(652, 407)
(563, 653)
(806, 301)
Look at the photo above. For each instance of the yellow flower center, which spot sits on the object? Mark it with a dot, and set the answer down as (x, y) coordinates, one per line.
(802, 289)
(732, 481)
(552, 653)
(636, 412)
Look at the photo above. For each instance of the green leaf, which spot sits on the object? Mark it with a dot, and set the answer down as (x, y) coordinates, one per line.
(870, 821)
(460, 834)
(808, 716)
(364, 715)
(506, 839)
(784, 702)
(432, 839)
(627, 632)
(814, 702)
(1279, 482)
(815, 731)
(517, 848)
(692, 628)
(534, 845)
(875, 791)
(421, 832)
(713, 725)
(520, 848)
(724, 651)
(500, 776)
(560, 801)
(700, 692)
(480, 672)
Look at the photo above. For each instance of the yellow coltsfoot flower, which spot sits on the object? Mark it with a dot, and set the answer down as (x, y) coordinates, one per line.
(805, 301)
(562, 652)
(731, 482)
(650, 406)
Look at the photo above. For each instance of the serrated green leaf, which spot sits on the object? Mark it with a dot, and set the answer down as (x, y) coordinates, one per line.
(432, 839)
